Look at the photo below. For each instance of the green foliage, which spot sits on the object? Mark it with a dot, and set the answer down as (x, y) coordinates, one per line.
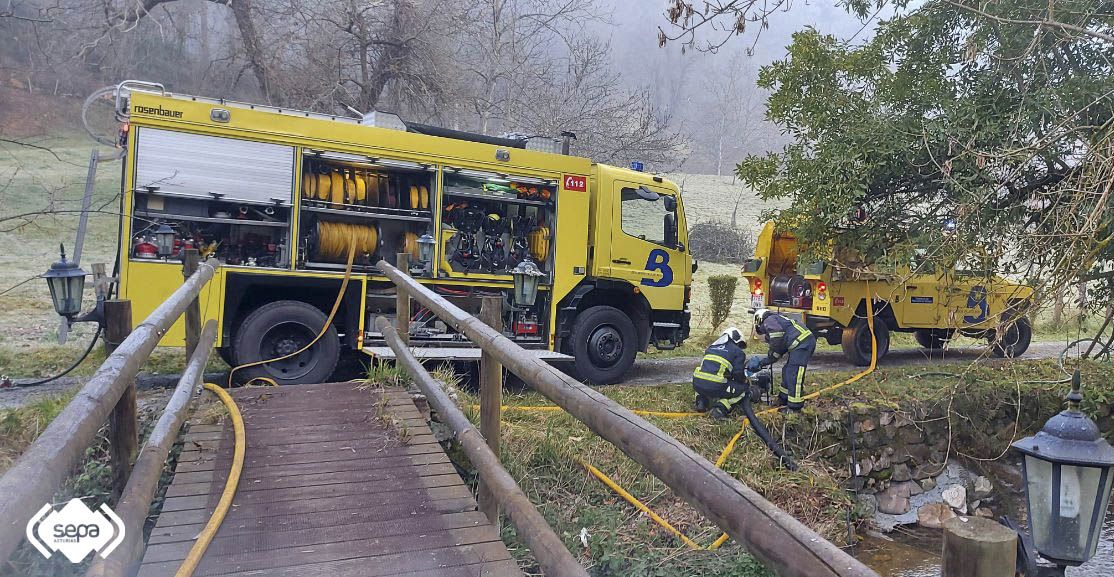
(721, 291)
(958, 131)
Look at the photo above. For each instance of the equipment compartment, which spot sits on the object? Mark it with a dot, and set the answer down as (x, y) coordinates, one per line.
(385, 204)
(491, 222)
(237, 234)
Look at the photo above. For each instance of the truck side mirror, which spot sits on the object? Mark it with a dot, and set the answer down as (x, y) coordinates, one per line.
(670, 229)
(670, 203)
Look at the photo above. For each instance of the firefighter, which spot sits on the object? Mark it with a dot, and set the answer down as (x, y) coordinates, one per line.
(786, 337)
(719, 381)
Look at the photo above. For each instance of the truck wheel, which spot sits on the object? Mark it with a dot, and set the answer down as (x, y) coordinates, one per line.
(933, 339)
(1015, 340)
(603, 342)
(856, 341)
(280, 328)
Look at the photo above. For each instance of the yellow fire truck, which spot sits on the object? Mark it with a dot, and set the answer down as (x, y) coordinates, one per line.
(277, 194)
(933, 306)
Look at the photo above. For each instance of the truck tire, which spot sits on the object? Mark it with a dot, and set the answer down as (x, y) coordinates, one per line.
(856, 341)
(603, 342)
(933, 339)
(280, 328)
(1015, 341)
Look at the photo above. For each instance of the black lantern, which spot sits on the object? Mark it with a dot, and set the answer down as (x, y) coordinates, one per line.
(526, 278)
(1067, 472)
(66, 281)
(164, 240)
(425, 248)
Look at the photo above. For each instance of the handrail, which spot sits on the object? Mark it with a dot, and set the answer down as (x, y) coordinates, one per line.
(554, 559)
(779, 541)
(48, 461)
(135, 502)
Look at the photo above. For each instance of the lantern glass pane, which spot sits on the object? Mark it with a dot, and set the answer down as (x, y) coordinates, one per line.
(1038, 474)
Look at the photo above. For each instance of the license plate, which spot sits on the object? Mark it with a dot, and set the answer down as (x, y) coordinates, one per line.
(756, 302)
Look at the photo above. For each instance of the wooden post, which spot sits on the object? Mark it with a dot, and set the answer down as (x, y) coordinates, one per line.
(978, 547)
(123, 426)
(100, 280)
(190, 261)
(402, 306)
(491, 402)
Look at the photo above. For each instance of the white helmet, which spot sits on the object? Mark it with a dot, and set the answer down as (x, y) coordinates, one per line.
(732, 334)
(760, 316)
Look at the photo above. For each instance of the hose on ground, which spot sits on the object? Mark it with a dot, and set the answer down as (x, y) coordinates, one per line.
(760, 429)
(81, 359)
(197, 551)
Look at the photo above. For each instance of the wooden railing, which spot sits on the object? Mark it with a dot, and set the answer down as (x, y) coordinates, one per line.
(779, 541)
(109, 395)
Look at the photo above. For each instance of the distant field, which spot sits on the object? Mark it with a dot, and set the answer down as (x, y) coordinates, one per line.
(708, 197)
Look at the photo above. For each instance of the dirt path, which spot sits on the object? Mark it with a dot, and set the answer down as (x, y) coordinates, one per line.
(679, 369)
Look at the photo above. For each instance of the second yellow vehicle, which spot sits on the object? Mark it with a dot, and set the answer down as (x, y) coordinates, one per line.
(934, 306)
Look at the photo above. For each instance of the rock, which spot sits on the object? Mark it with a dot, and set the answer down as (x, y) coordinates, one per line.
(883, 461)
(928, 484)
(856, 484)
(901, 473)
(910, 435)
(984, 512)
(865, 425)
(867, 504)
(885, 418)
(933, 515)
(914, 488)
(894, 500)
(983, 487)
(919, 452)
(871, 440)
(866, 465)
(956, 497)
(974, 504)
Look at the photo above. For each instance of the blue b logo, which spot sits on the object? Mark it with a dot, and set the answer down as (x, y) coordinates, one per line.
(659, 261)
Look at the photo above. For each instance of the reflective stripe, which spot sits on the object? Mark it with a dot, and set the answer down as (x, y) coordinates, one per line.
(803, 333)
(719, 376)
(777, 334)
(796, 396)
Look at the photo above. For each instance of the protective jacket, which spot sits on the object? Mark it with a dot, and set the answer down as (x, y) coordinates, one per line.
(720, 373)
(783, 334)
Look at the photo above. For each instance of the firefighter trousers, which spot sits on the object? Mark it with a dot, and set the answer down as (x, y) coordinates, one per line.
(726, 396)
(792, 390)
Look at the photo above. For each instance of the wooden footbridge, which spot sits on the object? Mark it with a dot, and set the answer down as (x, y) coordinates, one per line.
(346, 479)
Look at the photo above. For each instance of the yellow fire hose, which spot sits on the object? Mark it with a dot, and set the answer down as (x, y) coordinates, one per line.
(225, 503)
(730, 448)
(205, 537)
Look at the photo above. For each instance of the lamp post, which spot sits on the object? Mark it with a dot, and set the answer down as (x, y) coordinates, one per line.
(1067, 473)
(526, 278)
(66, 282)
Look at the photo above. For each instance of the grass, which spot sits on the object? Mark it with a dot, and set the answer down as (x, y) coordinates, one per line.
(19, 427)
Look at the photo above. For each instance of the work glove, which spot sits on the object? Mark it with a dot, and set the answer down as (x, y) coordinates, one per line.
(754, 364)
(765, 362)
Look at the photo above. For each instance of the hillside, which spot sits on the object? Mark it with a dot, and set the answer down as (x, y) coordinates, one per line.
(708, 197)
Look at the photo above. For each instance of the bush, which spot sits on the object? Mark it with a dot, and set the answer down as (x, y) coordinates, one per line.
(722, 243)
(721, 291)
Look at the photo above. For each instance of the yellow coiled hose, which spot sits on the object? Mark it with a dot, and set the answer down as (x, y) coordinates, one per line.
(334, 237)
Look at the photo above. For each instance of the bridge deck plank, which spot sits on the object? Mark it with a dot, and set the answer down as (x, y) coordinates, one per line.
(338, 479)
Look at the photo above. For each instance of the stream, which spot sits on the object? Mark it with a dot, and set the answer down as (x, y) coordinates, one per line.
(915, 552)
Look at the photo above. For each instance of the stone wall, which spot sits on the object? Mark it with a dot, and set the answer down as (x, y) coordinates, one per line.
(902, 471)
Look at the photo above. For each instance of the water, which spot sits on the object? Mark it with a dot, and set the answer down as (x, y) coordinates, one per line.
(916, 553)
